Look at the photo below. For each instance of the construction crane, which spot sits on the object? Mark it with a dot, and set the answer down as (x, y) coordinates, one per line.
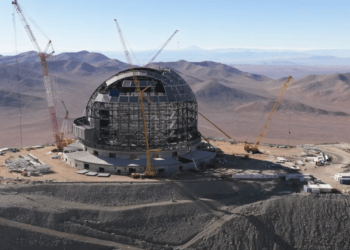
(216, 126)
(64, 128)
(206, 139)
(67, 113)
(43, 55)
(149, 172)
(165, 44)
(254, 148)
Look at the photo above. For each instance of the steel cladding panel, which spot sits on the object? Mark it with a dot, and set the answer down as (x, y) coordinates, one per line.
(169, 112)
(134, 99)
(163, 98)
(123, 99)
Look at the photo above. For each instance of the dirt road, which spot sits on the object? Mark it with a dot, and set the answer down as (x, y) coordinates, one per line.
(68, 236)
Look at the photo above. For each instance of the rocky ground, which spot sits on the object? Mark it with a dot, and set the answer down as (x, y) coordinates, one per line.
(177, 213)
(292, 222)
(172, 215)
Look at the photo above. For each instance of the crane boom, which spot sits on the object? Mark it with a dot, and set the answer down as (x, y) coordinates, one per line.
(141, 96)
(216, 126)
(26, 26)
(47, 82)
(254, 148)
(165, 44)
(274, 109)
(64, 127)
(67, 113)
(126, 52)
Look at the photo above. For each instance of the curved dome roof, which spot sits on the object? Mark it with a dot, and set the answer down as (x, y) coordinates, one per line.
(113, 117)
(166, 86)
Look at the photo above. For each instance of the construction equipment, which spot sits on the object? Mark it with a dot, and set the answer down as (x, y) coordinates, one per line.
(254, 148)
(64, 129)
(216, 126)
(165, 44)
(43, 55)
(29, 148)
(149, 172)
(64, 126)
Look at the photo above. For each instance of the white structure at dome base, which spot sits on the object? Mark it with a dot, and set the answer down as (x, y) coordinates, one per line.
(111, 136)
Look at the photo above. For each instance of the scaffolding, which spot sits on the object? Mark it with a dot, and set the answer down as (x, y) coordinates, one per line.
(114, 112)
(121, 124)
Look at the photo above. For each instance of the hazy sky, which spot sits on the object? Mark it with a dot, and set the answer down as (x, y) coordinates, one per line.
(75, 25)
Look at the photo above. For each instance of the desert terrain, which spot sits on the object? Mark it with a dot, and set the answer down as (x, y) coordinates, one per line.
(202, 210)
(313, 110)
(212, 208)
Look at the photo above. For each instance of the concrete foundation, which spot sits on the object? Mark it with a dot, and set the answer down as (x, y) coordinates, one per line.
(76, 156)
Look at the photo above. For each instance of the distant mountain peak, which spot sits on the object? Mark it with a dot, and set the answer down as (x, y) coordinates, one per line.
(194, 47)
(28, 53)
(83, 56)
(218, 66)
(323, 57)
(82, 52)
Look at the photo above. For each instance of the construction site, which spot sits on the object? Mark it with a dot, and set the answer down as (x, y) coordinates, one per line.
(189, 209)
(136, 173)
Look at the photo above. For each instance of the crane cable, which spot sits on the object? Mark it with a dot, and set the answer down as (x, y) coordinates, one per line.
(55, 91)
(289, 133)
(151, 54)
(215, 126)
(251, 132)
(32, 20)
(18, 78)
(132, 52)
(53, 76)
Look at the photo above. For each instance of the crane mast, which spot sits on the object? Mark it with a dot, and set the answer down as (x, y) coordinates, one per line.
(64, 125)
(140, 92)
(165, 44)
(43, 55)
(254, 148)
(67, 113)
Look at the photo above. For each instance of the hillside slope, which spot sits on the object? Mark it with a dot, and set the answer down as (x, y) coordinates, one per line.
(295, 222)
(234, 99)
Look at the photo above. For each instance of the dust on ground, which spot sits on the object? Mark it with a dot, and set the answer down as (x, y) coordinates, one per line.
(61, 171)
(256, 163)
(338, 151)
(180, 214)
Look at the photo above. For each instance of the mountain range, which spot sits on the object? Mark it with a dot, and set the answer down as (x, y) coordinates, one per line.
(235, 100)
(273, 57)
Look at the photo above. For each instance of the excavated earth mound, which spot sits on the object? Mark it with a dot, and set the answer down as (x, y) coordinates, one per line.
(291, 222)
(172, 215)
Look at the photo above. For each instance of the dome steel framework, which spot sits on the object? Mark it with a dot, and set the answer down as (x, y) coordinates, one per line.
(113, 118)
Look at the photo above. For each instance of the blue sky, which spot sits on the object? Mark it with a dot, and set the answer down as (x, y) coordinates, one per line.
(88, 25)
